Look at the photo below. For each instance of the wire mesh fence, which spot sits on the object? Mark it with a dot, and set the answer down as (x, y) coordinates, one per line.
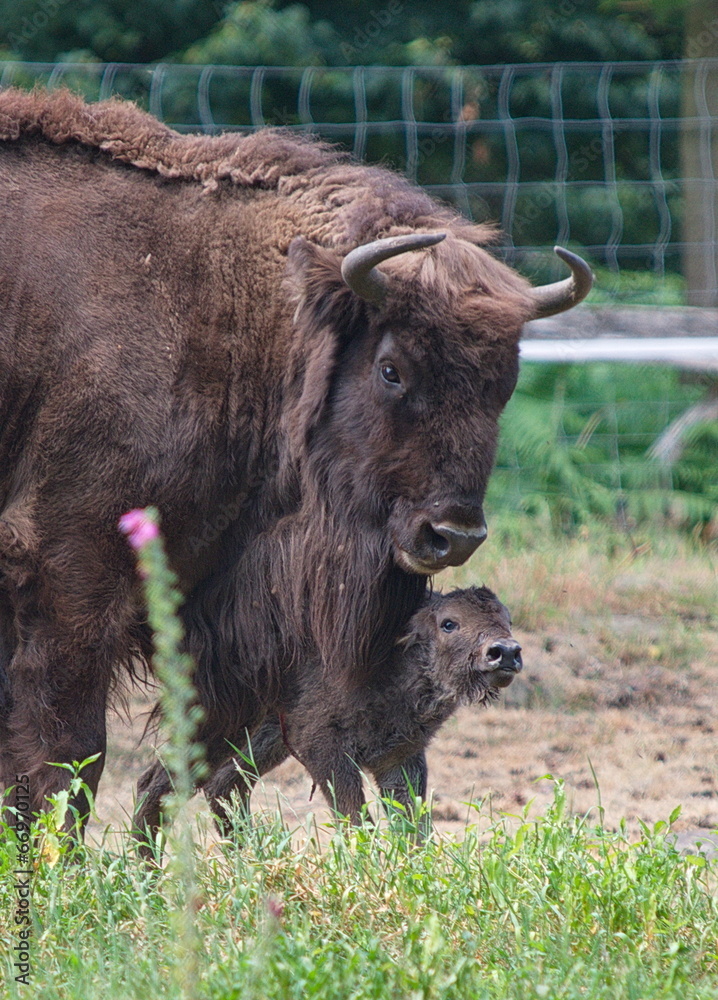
(607, 441)
(602, 440)
(616, 158)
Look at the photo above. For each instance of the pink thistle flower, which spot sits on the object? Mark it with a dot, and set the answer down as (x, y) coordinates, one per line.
(275, 908)
(139, 528)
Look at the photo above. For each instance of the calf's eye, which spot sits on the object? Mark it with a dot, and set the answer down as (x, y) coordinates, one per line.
(390, 374)
(448, 625)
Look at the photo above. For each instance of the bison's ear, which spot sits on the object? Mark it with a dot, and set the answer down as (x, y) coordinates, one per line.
(303, 256)
(325, 319)
(314, 278)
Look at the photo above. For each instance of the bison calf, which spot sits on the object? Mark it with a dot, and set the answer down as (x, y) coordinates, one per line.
(458, 650)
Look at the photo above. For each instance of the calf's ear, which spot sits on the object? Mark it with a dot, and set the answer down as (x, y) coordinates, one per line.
(408, 640)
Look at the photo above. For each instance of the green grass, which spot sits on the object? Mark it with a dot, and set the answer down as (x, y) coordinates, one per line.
(558, 908)
(627, 287)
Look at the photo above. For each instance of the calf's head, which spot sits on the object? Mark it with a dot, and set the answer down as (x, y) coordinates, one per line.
(463, 641)
(404, 372)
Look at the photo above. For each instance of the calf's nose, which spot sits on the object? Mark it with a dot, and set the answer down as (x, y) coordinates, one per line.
(454, 545)
(505, 654)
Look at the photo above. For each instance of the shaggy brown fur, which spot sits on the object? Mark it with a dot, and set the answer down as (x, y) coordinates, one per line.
(347, 206)
(458, 649)
(174, 330)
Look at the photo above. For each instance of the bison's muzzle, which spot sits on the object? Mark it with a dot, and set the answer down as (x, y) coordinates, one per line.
(454, 545)
(428, 542)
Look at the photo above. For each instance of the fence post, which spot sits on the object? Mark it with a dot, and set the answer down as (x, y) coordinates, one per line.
(699, 153)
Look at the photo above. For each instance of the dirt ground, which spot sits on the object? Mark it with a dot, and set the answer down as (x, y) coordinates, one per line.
(619, 682)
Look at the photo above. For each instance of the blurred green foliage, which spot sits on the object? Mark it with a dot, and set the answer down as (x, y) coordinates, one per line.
(321, 32)
(103, 30)
(575, 440)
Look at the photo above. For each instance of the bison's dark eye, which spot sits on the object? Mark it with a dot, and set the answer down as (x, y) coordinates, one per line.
(448, 625)
(390, 374)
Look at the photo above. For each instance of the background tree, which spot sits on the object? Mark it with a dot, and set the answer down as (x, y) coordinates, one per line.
(422, 32)
(104, 30)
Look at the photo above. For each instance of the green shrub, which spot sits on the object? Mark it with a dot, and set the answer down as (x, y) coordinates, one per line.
(575, 440)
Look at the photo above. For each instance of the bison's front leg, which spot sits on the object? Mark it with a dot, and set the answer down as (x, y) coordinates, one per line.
(57, 706)
(66, 614)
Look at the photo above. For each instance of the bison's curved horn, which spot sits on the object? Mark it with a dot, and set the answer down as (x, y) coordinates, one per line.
(358, 267)
(562, 295)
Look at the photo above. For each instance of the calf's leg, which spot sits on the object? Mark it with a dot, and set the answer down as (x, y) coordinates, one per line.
(340, 780)
(403, 783)
(329, 766)
(267, 749)
(152, 788)
(224, 776)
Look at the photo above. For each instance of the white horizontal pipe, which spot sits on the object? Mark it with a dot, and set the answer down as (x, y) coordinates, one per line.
(686, 352)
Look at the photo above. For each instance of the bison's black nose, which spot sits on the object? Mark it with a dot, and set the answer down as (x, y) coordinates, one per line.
(505, 654)
(453, 545)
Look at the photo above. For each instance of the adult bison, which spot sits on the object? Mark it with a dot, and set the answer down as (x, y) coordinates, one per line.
(202, 324)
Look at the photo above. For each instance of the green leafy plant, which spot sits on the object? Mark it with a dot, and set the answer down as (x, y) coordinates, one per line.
(56, 839)
(575, 443)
